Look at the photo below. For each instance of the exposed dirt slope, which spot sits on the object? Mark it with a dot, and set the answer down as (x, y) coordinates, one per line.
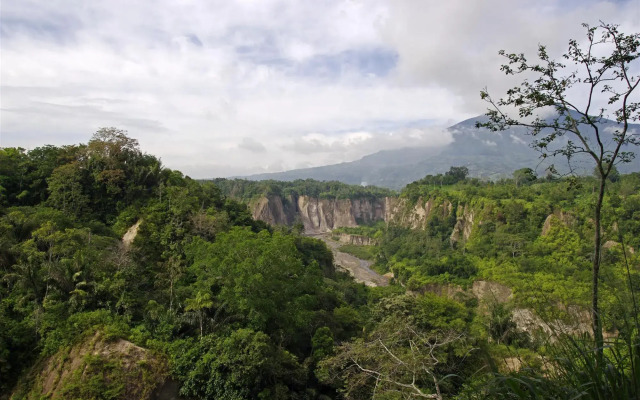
(95, 367)
(131, 234)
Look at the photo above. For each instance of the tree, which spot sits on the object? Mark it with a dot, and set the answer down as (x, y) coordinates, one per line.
(198, 304)
(524, 176)
(593, 85)
(614, 175)
(65, 189)
(456, 174)
(419, 348)
(113, 146)
(244, 364)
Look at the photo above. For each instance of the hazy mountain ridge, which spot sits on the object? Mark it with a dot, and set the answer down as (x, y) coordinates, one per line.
(487, 154)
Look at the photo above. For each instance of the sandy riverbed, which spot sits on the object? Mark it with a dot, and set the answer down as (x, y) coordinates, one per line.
(358, 268)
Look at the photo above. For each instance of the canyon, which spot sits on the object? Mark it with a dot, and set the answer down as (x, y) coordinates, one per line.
(319, 215)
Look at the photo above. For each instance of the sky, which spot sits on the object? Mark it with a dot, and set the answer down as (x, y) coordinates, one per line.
(226, 88)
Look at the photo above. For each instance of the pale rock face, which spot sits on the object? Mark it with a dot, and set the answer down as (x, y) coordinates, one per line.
(400, 212)
(562, 217)
(270, 210)
(274, 210)
(324, 215)
(130, 235)
(59, 370)
(368, 211)
(491, 291)
(392, 206)
(318, 215)
(464, 224)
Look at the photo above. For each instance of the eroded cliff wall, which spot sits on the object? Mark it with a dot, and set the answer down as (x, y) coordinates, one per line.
(324, 215)
(318, 215)
(274, 210)
(415, 215)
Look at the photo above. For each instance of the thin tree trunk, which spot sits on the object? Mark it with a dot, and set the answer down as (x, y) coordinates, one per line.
(595, 312)
(171, 296)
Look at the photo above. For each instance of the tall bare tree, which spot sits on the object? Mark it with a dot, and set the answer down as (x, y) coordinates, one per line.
(594, 81)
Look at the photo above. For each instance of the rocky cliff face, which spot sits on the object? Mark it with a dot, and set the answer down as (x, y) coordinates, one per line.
(318, 215)
(560, 217)
(273, 210)
(464, 224)
(402, 212)
(323, 215)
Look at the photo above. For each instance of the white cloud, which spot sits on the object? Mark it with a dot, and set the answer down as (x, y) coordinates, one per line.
(252, 145)
(348, 146)
(455, 44)
(209, 86)
(517, 139)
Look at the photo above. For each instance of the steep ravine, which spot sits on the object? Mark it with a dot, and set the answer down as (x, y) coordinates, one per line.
(323, 215)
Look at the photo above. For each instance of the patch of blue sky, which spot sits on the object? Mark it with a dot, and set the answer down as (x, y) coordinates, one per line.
(195, 40)
(261, 47)
(59, 28)
(253, 44)
(368, 62)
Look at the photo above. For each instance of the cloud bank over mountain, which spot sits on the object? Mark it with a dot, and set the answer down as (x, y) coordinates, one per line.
(226, 88)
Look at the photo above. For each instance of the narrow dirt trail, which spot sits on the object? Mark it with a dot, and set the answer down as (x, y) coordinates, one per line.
(358, 268)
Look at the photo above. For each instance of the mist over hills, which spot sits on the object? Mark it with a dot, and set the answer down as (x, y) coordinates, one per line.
(487, 155)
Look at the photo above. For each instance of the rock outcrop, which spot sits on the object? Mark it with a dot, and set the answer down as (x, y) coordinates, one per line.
(273, 210)
(464, 224)
(415, 216)
(561, 217)
(323, 215)
(489, 291)
(127, 371)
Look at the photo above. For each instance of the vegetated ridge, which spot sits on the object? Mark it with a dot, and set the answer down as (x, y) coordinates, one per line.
(122, 277)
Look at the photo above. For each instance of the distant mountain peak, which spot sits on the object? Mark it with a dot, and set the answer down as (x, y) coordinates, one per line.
(487, 154)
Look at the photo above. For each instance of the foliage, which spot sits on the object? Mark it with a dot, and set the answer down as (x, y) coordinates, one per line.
(199, 266)
(413, 348)
(573, 370)
(245, 364)
(374, 230)
(506, 243)
(244, 310)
